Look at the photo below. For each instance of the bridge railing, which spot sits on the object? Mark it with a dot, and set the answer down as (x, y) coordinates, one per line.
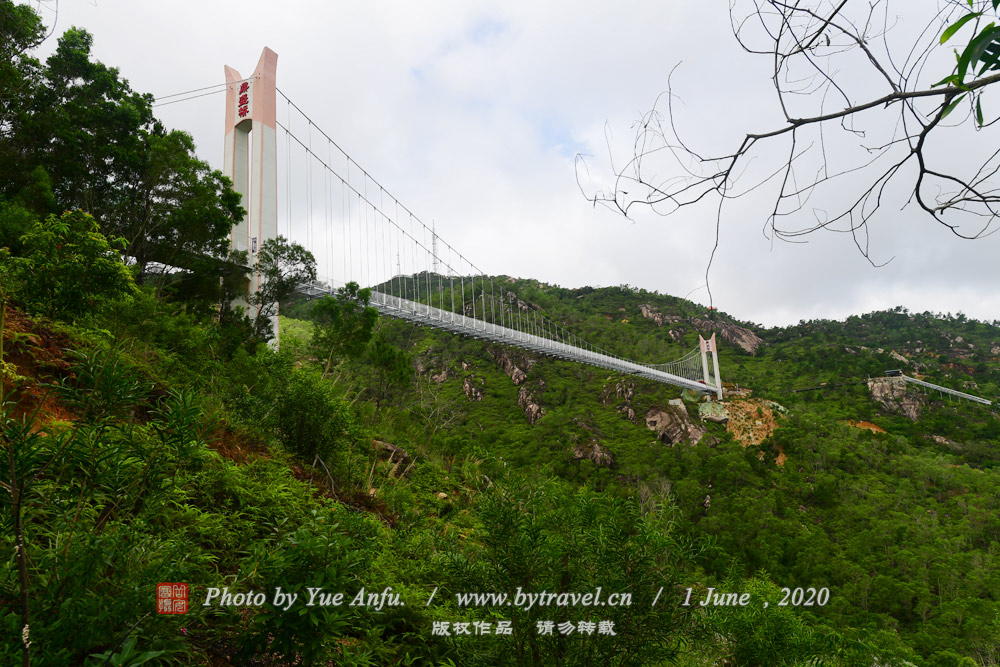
(946, 390)
(420, 313)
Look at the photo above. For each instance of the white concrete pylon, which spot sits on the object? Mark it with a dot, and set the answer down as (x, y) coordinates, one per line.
(251, 159)
(715, 364)
(707, 346)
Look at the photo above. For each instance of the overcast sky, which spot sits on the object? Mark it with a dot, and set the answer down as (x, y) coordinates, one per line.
(472, 113)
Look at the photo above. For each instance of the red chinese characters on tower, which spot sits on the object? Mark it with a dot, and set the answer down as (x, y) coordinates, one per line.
(244, 102)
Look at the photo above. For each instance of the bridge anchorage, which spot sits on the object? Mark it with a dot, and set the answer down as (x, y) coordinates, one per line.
(360, 233)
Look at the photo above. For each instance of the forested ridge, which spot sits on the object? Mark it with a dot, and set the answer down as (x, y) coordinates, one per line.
(152, 434)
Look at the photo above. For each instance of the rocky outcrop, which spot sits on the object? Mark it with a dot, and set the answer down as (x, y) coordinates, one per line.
(672, 424)
(651, 313)
(532, 410)
(891, 394)
(511, 366)
(713, 412)
(473, 388)
(898, 357)
(395, 452)
(593, 451)
(624, 392)
(745, 339)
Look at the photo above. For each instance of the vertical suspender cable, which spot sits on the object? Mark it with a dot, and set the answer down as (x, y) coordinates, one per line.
(399, 265)
(329, 196)
(493, 314)
(413, 250)
(350, 218)
(430, 293)
(369, 263)
(385, 240)
(288, 169)
(362, 218)
(309, 187)
(427, 269)
(343, 228)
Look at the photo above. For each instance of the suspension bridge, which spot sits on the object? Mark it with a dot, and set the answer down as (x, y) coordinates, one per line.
(359, 232)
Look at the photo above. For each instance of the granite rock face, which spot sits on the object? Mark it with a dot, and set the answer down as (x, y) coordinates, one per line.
(891, 394)
(511, 366)
(745, 339)
(625, 392)
(532, 410)
(473, 389)
(739, 336)
(672, 424)
(594, 451)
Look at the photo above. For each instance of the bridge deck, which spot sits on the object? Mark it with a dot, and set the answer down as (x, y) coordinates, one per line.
(420, 313)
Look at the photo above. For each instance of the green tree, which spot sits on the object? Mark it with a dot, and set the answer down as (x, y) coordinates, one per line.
(179, 212)
(388, 371)
(20, 30)
(543, 536)
(15, 221)
(105, 153)
(86, 126)
(344, 324)
(70, 268)
(309, 418)
(283, 268)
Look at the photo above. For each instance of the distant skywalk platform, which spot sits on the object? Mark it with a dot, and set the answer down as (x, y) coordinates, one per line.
(946, 390)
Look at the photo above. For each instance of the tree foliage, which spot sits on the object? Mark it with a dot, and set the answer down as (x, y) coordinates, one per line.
(82, 129)
(69, 268)
(344, 324)
(283, 268)
(388, 372)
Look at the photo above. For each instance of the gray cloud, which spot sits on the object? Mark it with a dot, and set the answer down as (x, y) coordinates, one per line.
(471, 113)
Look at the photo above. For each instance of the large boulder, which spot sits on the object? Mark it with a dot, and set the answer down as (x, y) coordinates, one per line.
(891, 394)
(672, 424)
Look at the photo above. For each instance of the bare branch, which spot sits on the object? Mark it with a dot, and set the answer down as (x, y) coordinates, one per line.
(818, 50)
